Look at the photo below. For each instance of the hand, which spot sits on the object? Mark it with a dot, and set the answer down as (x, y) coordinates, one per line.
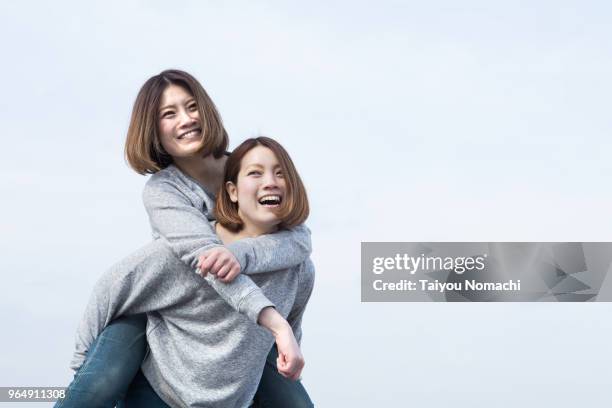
(220, 262)
(290, 361)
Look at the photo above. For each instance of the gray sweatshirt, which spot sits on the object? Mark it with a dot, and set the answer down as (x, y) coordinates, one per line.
(203, 351)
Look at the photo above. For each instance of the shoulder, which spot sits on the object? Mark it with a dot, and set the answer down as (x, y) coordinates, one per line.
(166, 184)
(163, 180)
(169, 175)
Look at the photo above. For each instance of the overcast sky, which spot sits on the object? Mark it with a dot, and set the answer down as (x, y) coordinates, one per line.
(408, 121)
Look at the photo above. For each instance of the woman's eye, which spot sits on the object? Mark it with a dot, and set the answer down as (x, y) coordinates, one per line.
(193, 107)
(167, 114)
(280, 174)
(254, 172)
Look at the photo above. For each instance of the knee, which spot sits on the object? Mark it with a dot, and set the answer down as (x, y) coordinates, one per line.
(103, 387)
(93, 390)
(128, 330)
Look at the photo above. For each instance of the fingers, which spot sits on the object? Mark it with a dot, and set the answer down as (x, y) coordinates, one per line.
(281, 366)
(296, 366)
(298, 372)
(214, 260)
(233, 272)
(290, 368)
(207, 261)
(222, 267)
(219, 262)
(223, 271)
(200, 270)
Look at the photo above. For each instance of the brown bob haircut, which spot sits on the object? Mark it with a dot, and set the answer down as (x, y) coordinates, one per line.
(294, 207)
(143, 149)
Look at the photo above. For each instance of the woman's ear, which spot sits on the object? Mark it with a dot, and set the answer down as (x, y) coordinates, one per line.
(231, 191)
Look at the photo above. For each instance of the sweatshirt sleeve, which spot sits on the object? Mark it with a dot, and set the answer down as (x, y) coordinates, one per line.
(305, 287)
(189, 233)
(173, 216)
(273, 252)
(149, 280)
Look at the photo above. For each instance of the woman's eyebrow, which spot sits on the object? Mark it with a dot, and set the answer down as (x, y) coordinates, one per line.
(171, 105)
(166, 107)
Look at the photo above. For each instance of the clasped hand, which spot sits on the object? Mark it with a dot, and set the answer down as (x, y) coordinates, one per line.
(220, 262)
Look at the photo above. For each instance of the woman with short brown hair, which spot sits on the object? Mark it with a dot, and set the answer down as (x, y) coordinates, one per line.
(143, 150)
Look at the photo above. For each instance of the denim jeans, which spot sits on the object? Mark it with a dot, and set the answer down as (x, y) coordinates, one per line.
(141, 395)
(112, 362)
(274, 390)
(111, 374)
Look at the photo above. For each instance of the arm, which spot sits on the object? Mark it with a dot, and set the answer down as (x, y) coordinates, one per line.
(288, 333)
(273, 252)
(175, 218)
(152, 279)
(290, 360)
(188, 233)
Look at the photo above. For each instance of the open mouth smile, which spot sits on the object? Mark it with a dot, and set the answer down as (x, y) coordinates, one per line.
(271, 200)
(189, 134)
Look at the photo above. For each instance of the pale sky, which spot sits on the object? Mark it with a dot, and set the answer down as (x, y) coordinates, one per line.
(408, 121)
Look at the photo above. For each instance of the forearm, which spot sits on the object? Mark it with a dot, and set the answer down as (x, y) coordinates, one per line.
(177, 215)
(273, 321)
(242, 294)
(273, 252)
(290, 360)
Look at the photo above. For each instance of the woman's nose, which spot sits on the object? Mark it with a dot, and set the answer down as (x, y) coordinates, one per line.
(186, 119)
(270, 181)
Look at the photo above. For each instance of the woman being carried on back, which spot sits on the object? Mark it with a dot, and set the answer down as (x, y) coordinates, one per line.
(199, 345)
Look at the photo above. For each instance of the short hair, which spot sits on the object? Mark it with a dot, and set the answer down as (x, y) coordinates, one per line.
(143, 149)
(294, 207)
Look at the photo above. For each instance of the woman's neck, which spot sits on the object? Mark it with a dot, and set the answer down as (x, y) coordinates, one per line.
(207, 171)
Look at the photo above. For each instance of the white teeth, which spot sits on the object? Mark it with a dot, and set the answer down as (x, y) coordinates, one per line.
(275, 198)
(189, 134)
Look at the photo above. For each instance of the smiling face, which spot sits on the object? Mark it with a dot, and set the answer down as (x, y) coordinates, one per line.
(180, 129)
(259, 190)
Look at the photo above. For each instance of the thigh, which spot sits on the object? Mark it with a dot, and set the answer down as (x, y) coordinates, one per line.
(141, 395)
(274, 390)
(111, 364)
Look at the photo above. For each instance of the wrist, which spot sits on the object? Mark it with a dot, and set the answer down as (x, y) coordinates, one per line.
(273, 321)
(281, 330)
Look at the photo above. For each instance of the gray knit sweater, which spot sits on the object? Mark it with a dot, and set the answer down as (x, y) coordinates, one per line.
(204, 350)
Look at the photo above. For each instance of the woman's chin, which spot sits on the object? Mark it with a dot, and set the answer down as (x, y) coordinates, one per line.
(186, 150)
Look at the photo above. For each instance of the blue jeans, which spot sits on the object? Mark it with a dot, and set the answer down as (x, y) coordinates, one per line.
(111, 374)
(112, 362)
(274, 390)
(141, 395)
